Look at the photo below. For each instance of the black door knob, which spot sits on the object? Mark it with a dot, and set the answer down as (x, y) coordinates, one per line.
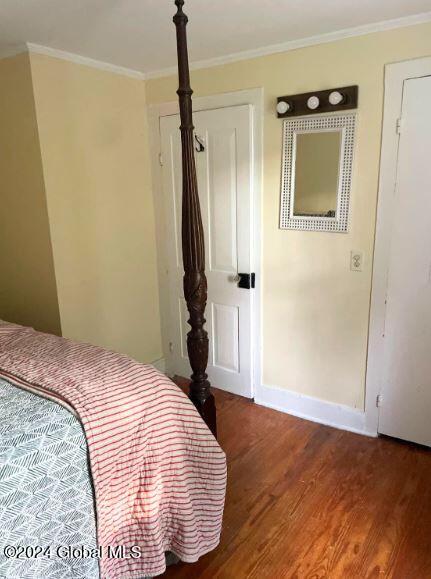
(246, 280)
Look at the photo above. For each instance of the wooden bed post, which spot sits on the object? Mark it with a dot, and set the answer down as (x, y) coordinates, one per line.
(195, 282)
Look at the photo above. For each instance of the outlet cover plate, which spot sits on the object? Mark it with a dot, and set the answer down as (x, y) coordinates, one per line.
(356, 260)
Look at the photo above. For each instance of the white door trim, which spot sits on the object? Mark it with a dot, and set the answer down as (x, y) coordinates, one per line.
(395, 75)
(253, 97)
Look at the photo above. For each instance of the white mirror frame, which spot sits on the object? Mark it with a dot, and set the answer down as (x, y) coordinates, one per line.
(322, 123)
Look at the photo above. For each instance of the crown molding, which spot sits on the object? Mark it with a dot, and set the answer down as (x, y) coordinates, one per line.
(30, 47)
(300, 43)
(78, 59)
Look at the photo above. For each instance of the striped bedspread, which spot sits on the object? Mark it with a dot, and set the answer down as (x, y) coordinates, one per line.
(159, 475)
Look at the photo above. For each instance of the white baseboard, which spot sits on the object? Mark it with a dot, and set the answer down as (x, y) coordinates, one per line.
(314, 409)
(160, 365)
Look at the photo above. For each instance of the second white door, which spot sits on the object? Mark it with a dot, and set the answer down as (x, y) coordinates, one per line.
(406, 363)
(224, 164)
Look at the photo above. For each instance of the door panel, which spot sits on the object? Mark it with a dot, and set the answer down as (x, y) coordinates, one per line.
(224, 173)
(406, 386)
(222, 200)
(225, 334)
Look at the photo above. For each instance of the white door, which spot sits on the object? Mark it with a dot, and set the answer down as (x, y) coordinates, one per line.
(406, 384)
(224, 169)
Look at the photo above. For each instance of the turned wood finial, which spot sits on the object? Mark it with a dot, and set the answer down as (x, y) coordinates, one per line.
(194, 281)
(179, 4)
(180, 17)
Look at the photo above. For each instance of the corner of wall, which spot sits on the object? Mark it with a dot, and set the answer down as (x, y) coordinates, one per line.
(94, 147)
(30, 57)
(28, 288)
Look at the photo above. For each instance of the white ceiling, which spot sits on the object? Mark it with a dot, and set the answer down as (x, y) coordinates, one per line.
(139, 34)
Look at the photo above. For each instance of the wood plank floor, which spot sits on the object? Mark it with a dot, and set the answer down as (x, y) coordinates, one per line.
(307, 501)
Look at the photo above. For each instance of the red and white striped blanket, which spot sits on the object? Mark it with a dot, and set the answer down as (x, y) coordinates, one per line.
(159, 475)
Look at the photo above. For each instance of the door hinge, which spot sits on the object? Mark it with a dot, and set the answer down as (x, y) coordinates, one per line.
(379, 400)
(160, 159)
(384, 319)
(399, 125)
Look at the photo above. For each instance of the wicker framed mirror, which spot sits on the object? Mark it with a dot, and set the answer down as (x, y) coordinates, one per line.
(317, 172)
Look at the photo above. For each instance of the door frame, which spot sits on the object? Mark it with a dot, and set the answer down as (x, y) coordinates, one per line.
(395, 75)
(253, 97)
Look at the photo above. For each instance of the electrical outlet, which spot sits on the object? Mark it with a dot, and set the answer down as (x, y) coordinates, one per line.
(356, 260)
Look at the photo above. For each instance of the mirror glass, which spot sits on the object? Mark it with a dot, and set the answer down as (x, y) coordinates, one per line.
(317, 166)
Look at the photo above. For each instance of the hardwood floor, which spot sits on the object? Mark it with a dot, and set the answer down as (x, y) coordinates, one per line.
(306, 501)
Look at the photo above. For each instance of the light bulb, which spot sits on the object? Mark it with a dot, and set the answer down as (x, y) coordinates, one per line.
(282, 107)
(313, 102)
(336, 98)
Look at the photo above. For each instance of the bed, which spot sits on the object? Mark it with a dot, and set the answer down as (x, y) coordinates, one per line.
(157, 472)
(105, 465)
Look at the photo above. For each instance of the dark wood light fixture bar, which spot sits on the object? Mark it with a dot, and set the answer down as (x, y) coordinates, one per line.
(195, 282)
(321, 101)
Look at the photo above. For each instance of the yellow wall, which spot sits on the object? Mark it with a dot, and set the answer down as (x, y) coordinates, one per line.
(315, 310)
(28, 293)
(94, 145)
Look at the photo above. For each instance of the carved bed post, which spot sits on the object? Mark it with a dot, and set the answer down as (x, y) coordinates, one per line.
(195, 282)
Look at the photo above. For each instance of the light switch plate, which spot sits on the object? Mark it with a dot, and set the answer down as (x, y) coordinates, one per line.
(356, 260)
